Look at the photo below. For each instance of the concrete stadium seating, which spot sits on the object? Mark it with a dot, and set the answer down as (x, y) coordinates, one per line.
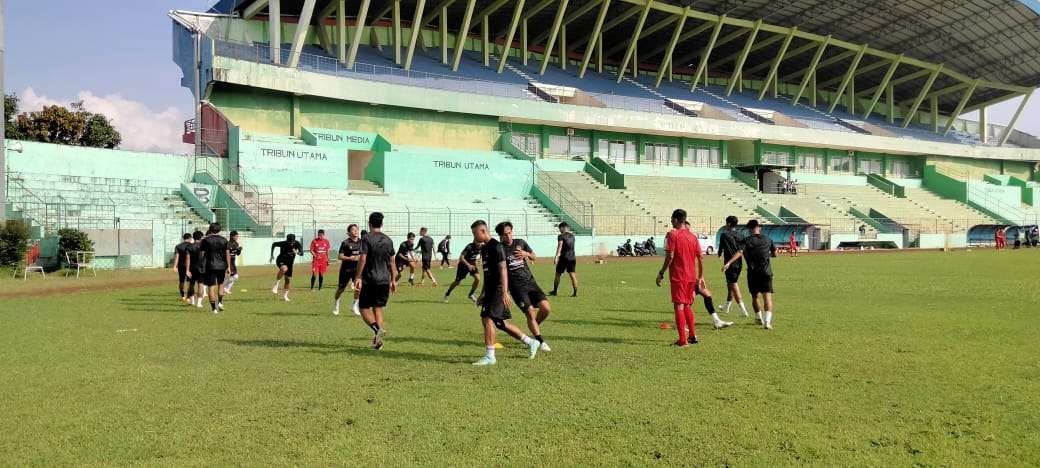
(614, 212)
(707, 201)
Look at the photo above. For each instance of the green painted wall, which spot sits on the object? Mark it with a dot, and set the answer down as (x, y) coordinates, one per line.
(254, 110)
(742, 153)
(973, 169)
(423, 172)
(281, 164)
(1022, 170)
(81, 161)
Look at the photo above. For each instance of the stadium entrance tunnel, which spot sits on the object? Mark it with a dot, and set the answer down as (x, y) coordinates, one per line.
(807, 235)
(985, 234)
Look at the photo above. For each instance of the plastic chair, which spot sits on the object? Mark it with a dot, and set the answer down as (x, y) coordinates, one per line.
(29, 262)
(84, 261)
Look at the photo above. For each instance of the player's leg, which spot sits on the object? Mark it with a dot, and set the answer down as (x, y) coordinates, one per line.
(314, 274)
(322, 269)
(680, 324)
(768, 299)
(488, 359)
(287, 281)
(574, 276)
(344, 279)
(543, 309)
(709, 305)
(691, 322)
(556, 282)
(278, 278)
(181, 279)
(473, 289)
(191, 290)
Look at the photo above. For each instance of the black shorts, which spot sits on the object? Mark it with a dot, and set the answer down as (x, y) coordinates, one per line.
(182, 274)
(759, 283)
(733, 273)
(214, 277)
(401, 264)
(565, 266)
(234, 268)
(461, 272)
(286, 262)
(494, 308)
(197, 276)
(373, 295)
(346, 274)
(426, 263)
(526, 296)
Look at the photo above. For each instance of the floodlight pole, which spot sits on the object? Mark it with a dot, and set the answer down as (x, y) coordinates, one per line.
(3, 138)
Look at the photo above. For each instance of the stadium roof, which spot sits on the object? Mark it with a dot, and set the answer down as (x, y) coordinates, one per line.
(950, 43)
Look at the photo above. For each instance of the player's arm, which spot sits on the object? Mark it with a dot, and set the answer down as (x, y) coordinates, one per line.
(362, 259)
(503, 273)
(187, 265)
(227, 256)
(176, 258)
(738, 256)
(559, 248)
(700, 268)
(664, 266)
(393, 274)
(273, 245)
(772, 248)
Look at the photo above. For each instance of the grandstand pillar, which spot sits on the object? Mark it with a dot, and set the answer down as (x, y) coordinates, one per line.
(508, 45)
(851, 101)
(702, 67)
(274, 30)
(640, 148)
(485, 41)
(301, 33)
(1014, 119)
(341, 31)
(3, 137)
(921, 95)
(563, 47)
(812, 88)
(444, 34)
(591, 43)
(599, 53)
(416, 31)
(460, 41)
(682, 151)
(983, 127)
(553, 35)
(934, 103)
(397, 31)
(523, 43)
(890, 97)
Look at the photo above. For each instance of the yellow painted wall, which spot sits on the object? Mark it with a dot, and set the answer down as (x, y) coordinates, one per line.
(973, 169)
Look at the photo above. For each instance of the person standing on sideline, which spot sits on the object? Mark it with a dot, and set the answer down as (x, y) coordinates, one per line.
(792, 245)
(376, 277)
(494, 301)
(425, 248)
(288, 249)
(444, 248)
(235, 250)
(730, 244)
(180, 263)
(217, 259)
(565, 260)
(682, 261)
(349, 254)
(467, 266)
(757, 251)
(998, 238)
(319, 249)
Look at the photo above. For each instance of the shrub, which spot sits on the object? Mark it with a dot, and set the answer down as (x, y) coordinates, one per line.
(71, 240)
(14, 237)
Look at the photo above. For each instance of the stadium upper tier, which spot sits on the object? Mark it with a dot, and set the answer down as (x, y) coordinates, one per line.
(603, 90)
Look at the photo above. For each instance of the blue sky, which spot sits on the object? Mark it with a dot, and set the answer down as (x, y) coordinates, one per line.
(115, 55)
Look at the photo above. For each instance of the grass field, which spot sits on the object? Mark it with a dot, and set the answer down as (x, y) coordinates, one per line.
(888, 359)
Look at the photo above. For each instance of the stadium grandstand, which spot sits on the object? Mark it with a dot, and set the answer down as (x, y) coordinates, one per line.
(841, 119)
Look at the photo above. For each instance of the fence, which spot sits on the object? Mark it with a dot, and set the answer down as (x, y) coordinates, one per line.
(305, 219)
(579, 211)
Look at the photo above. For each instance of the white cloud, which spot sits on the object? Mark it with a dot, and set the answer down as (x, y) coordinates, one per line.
(142, 129)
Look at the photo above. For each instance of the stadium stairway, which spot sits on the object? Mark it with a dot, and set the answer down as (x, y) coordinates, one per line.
(614, 212)
(707, 201)
(960, 215)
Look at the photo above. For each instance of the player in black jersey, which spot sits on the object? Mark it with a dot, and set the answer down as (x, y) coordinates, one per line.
(180, 263)
(425, 247)
(444, 248)
(565, 260)
(217, 260)
(406, 258)
(376, 277)
(235, 250)
(524, 290)
(197, 290)
(349, 254)
(731, 243)
(288, 249)
(467, 267)
(494, 301)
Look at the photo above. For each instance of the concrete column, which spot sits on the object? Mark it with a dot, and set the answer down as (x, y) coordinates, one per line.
(274, 30)
(983, 125)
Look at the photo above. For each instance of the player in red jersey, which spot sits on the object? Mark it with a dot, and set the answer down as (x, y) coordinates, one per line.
(319, 258)
(792, 245)
(684, 264)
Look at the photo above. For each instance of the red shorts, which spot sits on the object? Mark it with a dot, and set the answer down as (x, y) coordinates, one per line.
(320, 267)
(683, 292)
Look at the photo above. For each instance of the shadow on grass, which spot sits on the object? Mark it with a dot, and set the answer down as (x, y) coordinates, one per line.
(597, 339)
(328, 348)
(289, 314)
(608, 322)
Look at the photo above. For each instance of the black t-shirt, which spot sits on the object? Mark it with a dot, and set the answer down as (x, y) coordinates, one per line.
(758, 249)
(444, 246)
(494, 256)
(519, 273)
(235, 250)
(378, 250)
(287, 250)
(729, 244)
(425, 245)
(567, 250)
(195, 251)
(181, 252)
(404, 250)
(350, 248)
(470, 253)
(214, 249)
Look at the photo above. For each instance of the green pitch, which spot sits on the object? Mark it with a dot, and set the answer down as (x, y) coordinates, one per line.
(889, 359)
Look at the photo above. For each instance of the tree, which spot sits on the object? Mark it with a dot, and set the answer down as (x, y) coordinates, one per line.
(11, 130)
(100, 133)
(57, 124)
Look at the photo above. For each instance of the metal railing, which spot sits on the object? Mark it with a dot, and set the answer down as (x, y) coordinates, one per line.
(398, 222)
(580, 211)
(256, 201)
